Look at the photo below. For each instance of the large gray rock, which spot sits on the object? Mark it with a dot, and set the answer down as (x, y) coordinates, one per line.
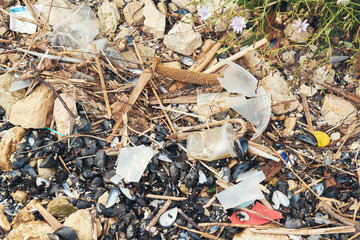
(32, 111)
(282, 100)
(81, 222)
(8, 146)
(154, 20)
(133, 12)
(183, 39)
(336, 109)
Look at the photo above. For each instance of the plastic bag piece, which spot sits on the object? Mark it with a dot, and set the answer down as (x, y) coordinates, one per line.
(132, 162)
(23, 26)
(79, 28)
(212, 144)
(246, 190)
(255, 104)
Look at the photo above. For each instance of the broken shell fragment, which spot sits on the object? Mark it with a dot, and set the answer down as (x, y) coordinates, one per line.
(113, 197)
(168, 218)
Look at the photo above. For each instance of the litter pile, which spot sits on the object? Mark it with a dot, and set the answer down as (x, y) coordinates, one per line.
(121, 120)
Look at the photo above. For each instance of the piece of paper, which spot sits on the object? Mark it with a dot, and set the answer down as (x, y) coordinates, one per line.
(255, 219)
(23, 12)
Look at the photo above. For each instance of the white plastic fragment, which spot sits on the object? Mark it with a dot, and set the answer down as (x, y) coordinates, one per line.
(212, 144)
(247, 190)
(202, 177)
(132, 162)
(255, 174)
(212, 103)
(23, 12)
(263, 154)
(254, 104)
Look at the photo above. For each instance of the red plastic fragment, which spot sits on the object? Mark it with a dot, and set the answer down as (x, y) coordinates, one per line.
(255, 219)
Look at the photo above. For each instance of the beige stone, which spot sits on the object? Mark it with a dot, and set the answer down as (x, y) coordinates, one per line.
(293, 35)
(247, 234)
(182, 38)
(4, 222)
(162, 7)
(119, 3)
(61, 207)
(33, 111)
(256, 63)
(281, 99)
(31, 230)
(133, 12)
(155, 21)
(62, 118)
(20, 196)
(7, 98)
(172, 64)
(81, 222)
(109, 17)
(323, 74)
(45, 172)
(103, 198)
(289, 124)
(187, 4)
(8, 146)
(336, 109)
(24, 215)
(308, 91)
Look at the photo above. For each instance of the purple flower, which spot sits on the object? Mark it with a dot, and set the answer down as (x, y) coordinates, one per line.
(203, 12)
(301, 25)
(238, 24)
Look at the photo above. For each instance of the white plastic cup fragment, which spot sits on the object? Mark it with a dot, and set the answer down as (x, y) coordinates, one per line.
(247, 190)
(23, 12)
(254, 104)
(212, 144)
(132, 162)
(212, 103)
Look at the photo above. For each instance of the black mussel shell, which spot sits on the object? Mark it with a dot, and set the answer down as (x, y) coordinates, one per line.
(67, 233)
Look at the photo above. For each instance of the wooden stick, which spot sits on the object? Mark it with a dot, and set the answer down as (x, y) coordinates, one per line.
(284, 231)
(51, 220)
(200, 63)
(237, 56)
(206, 235)
(188, 218)
(339, 91)
(162, 197)
(353, 237)
(63, 163)
(187, 76)
(310, 185)
(307, 113)
(99, 70)
(211, 224)
(143, 80)
(157, 216)
(341, 219)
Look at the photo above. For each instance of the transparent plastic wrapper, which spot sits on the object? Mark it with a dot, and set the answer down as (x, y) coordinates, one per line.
(132, 162)
(78, 29)
(245, 191)
(254, 104)
(212, 144)
(23, 12)
(212, 103)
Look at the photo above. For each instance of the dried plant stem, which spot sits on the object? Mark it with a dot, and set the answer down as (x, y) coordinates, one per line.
(310, 185)
(165, 197)
(341, 219)
(307, 112)
(211, 224)
(187, 76)
(284, 231)
(200, 63)
(237, 56)
(189, 219)
(63, 163)
(157, 216)
(206, 235)
(102, 80)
